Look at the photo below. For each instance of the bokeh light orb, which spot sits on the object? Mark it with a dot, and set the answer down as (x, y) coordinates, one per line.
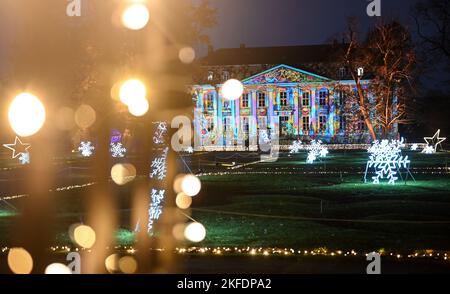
(57, 269)
(128, 265)
(20, 261)
(232, 89)
(191, 185)
(85, 116)
(26, 115)
(84, 236)
(139, 107)
(132, 90)
(195, 232)
(135, 16)
(112, 263)
(178, 231)
(122, 174)
(186, 55)
(183, 201)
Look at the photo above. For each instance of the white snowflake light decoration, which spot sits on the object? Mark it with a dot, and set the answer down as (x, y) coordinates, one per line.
(189, 150)
(160, 133)
(295, 147)
(429, 150)
(316, 150)
(117, 150)
(86, 149)
(24, 158)
(387, 160)
(159, 166)
(155, 211)
(414, 147)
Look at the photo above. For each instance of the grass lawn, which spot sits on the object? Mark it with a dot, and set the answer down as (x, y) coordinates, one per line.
(289, 203)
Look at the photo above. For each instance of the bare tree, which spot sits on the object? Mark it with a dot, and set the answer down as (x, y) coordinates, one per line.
(354, 58)
(432, 19)
(388, 59)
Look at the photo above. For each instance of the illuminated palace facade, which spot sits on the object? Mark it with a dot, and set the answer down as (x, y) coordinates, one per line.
(282, 101)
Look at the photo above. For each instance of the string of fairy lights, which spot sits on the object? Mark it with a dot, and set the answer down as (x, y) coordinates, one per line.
(272, 252)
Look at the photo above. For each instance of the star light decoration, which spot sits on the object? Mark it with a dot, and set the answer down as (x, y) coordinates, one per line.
(20, 150)
(434, 141)
(86, 149)
(295, 147)
(316, 151)
(117, 150)
(387, 160)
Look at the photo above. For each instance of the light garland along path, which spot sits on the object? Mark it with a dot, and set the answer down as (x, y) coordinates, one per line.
(321, 219)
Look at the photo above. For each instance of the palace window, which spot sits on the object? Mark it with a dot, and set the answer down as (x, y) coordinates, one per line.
(342, 95)
(225, 76)
(361, 124)
(283, 99)
(210, 101)
(210, 76)
(323, 95)
(262, 122)
(322, 122)
(226, 124)
(306, 98)
(342, 123)
(245, 100)
(261, 99)
(210, 124)
(342, 72)
(245, 125)
(306, 123)
(226, 104)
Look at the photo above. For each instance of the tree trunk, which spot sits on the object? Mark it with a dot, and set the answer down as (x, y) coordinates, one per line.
(363, 109)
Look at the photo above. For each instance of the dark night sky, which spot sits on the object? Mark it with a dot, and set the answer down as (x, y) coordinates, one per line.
(293, 22)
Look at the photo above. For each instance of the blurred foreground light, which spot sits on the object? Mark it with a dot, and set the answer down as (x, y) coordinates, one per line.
(138, 107)
(128, 265)
(65, 119)
(122, 174)
(232, 89)
(178, 232)
(135, 16)
(85, 116)
(183, 201)
(57, 269)
(132, 90)
(26, 115)
(20, 261)
(82, 235)
(191, 185)
(186, 55)
(112, 263)
(195, 232)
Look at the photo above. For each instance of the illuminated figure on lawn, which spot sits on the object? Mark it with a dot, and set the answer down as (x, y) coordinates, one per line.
(295, 147)
(316, 151)
(86, 149)
(387, 160)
